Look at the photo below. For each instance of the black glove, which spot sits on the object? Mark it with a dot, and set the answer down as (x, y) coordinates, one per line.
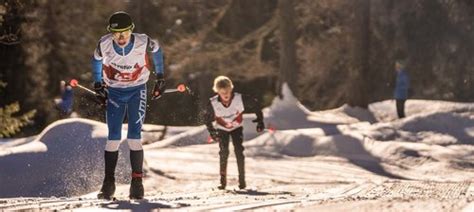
(100, 93)
(260, 125)
(158, 89)
(214, 135)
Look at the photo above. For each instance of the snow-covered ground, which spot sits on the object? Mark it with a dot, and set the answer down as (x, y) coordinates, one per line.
(345, 159)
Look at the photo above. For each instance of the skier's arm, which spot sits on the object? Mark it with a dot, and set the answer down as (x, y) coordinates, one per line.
(157, 57)
(97, 64)
(251, 105)
(99, 87)
(209, 117)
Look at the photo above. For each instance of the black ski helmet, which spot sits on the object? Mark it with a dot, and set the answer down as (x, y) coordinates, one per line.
(120, 21)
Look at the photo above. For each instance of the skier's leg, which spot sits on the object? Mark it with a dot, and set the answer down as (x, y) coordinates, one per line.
(110, 156)
(114, 117)
(223, 155)
(136, 112)
(114, 122)
(137, 191)
(237, 140)
(136, 117)
(108, 187)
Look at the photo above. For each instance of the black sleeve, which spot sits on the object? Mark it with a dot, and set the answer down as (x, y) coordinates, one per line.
(252, 105)
(209, 116)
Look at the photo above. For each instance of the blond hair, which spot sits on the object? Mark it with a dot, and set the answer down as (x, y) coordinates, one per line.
(222, 82)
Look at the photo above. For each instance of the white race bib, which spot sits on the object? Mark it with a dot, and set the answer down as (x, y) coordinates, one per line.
(128, 70)
(228, 118)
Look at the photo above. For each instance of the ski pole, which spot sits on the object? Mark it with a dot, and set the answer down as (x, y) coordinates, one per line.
(75, 83)
(181, 88)
(270, 130)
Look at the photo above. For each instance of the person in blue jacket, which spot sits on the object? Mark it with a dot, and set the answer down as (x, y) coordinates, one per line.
(401, 87)
(121, 66)
(64, 105)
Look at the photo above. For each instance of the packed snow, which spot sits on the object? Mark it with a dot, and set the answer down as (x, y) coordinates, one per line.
(315, 160)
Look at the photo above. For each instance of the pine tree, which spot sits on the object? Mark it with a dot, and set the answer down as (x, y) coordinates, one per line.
(9, 123)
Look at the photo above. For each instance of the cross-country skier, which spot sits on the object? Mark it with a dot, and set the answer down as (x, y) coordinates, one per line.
(121, 67)
(226, 109)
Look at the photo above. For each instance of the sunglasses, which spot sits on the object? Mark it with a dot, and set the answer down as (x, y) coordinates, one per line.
(125, 34)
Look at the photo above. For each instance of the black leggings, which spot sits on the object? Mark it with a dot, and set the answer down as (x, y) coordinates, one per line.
(401, 108)
(237, 139)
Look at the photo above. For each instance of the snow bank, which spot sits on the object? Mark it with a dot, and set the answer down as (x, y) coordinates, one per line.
(385, 111)
(343, 115)
(458, 126)
(309, 143)
(392, 159)
(432, 132)
(289, 113)
(67, 160)
(195, 135)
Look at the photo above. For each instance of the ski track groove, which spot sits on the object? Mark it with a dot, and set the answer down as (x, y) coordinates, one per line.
(231, 200)
(61, 203)
(339, 193)
(403, 190)
(72, 203)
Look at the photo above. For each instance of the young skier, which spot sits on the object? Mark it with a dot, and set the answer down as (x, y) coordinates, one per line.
(226, 109)
(121, 68)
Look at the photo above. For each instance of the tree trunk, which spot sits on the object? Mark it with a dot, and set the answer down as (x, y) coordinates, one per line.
(360, 70)
(288, 64)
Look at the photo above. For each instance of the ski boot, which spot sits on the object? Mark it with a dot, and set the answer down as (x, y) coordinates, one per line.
(223, 181)
(242, 185)
(221, 187)
(108, 187)
(136, 187)
(107, 191)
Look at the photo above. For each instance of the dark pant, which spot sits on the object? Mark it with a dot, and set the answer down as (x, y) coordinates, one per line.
(401, 108)
(237, 139)
(130, 101)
